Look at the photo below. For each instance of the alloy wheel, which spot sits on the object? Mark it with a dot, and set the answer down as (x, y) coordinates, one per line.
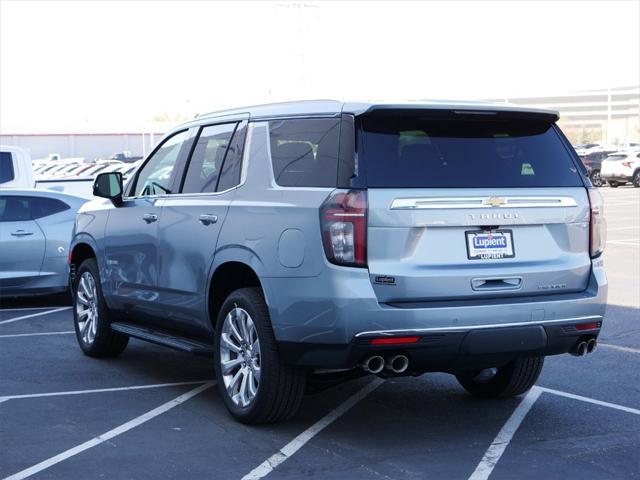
(596, 179)
(87, 307)
(240, 357)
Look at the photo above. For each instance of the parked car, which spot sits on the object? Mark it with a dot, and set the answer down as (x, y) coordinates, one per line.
(15, 168)
(59, 168)
(92, 169)
(585, 148)
(296, 239)
(593, 162)
(620, 168)
(123, 157)
(51, 157)
(35, 230)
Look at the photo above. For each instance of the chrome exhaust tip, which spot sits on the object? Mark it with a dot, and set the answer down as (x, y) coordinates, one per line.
(373, 364)
(579, 349)
(591, 345)
(398, 363)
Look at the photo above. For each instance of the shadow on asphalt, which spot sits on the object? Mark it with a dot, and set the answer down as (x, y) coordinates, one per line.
(37, 301)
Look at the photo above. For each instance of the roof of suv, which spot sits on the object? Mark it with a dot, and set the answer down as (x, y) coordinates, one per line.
(334, 107)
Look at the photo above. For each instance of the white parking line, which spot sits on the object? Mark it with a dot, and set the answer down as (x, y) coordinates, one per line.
(633, 227)
(36, 334)
(24, 317)
(500, 443)
(110, 434)
(297, 443)
(98, 390)
(628, 243)
(505, 435)
(22, 309)
(591, 400)
(619, 347)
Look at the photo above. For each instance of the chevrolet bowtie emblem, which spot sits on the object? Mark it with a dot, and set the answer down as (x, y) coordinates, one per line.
(495, 202)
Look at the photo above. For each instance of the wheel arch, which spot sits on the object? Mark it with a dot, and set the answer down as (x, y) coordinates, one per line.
(228, 276)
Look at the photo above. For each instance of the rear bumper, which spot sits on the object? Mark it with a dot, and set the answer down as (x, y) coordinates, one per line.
(616, 177)
(452, 350)
(328, 322)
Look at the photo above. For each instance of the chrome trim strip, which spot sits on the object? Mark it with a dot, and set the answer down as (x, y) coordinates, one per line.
(480, 202)
(597, 318)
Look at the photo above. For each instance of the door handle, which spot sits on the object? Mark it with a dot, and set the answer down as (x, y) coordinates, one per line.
(150, 217)
(21, 233)
(208, 219)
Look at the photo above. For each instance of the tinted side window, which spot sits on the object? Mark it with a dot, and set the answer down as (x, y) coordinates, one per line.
(6, 167)
(15, 209)
(43, 207)
(232, 168)
(207, 158)
(155, 177)
(304, 152)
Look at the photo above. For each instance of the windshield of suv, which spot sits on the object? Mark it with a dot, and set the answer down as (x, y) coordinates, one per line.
(423, 152)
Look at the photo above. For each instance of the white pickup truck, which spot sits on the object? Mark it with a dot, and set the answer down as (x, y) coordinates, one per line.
(16, 171)
(15, 168)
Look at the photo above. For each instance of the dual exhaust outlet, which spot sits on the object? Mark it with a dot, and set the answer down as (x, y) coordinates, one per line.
(393, 363)
(583, 347)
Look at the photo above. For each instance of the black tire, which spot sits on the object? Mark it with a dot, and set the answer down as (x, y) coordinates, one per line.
(512, 379)
(613, 184)
(596, 179)
(281, 387)
(636, 178)
(104, 342)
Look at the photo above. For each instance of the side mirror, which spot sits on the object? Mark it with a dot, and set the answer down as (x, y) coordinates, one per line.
(109, 185)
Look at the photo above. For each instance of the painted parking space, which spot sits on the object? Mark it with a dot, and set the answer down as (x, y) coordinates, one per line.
(571, 439)
(400, 428)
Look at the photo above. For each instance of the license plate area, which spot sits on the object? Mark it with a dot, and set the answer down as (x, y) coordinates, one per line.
(489, 244)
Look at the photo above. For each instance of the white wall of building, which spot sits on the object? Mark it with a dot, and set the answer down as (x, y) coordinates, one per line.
(87, 145)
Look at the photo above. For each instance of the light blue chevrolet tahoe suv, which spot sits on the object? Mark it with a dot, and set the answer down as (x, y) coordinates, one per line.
(305, 243)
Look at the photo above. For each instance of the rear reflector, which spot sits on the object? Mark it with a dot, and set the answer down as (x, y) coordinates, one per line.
(394, 340)
(588, 326)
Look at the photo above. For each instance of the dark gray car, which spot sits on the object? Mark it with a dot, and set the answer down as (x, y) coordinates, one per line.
(319, 241)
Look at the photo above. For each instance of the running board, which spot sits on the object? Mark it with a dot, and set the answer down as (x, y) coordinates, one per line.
(163, 338)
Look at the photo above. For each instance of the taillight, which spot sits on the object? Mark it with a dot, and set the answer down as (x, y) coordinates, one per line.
(597, 224)
(343, 220)
(627, 164)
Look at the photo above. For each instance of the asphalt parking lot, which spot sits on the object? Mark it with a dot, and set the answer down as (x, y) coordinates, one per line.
(151, 413)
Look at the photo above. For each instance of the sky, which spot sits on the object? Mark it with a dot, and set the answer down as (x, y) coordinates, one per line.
(121, 66)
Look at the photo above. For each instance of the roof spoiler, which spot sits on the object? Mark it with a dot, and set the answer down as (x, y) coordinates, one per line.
(499, 112)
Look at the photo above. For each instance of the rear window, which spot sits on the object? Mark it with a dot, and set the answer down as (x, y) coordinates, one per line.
(304, 152)
(6, 167)
(416, 152)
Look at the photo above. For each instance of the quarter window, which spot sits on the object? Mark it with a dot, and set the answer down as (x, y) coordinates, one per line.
(155, 176)
(43, 207)
(304, 152)
(232, 168)
(208, 158)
